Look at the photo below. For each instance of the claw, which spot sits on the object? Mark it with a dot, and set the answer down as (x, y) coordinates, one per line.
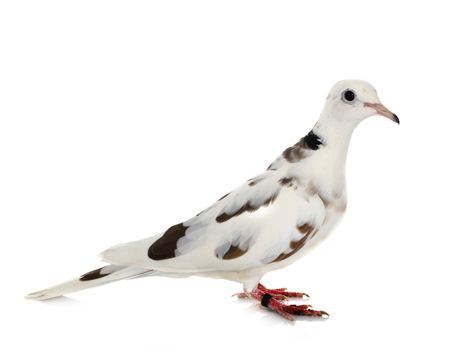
(324, 314)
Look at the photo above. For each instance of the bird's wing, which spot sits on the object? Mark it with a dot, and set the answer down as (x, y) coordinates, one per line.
(265, 220)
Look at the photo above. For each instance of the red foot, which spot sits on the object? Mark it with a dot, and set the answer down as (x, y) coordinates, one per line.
(273, 300)
(278, 293)
(282, 292)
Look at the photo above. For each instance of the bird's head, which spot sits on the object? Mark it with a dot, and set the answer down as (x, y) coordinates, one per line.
(352, 101)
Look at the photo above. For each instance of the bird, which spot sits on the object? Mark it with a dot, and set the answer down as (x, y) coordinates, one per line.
(265, 224)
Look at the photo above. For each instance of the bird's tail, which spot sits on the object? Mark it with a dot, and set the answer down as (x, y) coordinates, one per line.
(106, 274)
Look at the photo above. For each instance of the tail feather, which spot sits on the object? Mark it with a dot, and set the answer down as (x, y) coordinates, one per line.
(106, 274)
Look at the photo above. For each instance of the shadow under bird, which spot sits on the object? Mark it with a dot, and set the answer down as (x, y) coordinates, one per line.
(265, 224)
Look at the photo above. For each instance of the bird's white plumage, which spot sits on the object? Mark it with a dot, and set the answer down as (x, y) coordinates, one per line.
(271, 220)
(265, 232)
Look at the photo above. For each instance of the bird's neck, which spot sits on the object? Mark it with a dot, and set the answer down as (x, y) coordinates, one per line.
(326, 166)
(335, 136)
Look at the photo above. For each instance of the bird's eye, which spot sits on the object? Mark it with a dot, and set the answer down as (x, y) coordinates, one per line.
(348, 96)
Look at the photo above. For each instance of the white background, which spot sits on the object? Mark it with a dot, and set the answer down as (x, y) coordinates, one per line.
(119, 119)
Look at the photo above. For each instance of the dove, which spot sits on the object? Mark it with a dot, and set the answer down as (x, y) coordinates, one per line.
(265, 224)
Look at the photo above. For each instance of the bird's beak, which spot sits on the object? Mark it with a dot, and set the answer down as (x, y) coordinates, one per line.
(382, 110)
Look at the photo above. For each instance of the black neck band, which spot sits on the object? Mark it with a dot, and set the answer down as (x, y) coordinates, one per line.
(312, 140)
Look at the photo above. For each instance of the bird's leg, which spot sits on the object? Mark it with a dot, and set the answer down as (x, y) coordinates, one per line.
(274, 299)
